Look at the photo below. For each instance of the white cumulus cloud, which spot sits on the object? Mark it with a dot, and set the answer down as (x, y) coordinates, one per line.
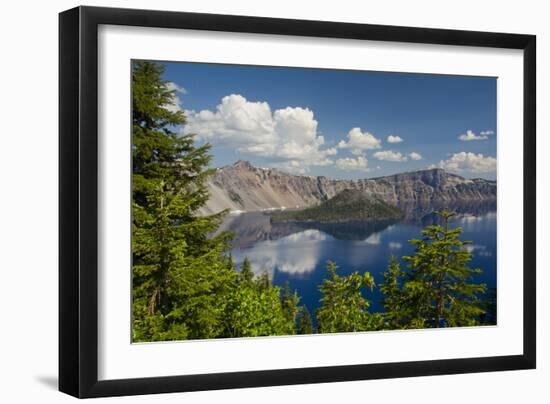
(297, 166)
(175, 105)
(394, 139)
(173, 86)
(251, 127)
(487, 132)
(471, 162)
(415, 156)
(469, 136)
(359, 163)
(359, 141)
(389, 155)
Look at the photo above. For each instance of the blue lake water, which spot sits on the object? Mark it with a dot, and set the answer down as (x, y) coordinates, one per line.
(298, 253)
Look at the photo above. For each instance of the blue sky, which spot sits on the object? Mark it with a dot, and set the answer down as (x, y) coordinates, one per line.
(337, 123)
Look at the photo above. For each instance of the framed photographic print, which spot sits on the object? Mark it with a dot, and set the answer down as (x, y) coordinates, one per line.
(251, 201)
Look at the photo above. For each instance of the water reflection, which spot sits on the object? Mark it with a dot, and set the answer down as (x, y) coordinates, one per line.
(424, 213)
(373, 239)
(297, 252)
(251, 228)
(395, 245)
(355, 230)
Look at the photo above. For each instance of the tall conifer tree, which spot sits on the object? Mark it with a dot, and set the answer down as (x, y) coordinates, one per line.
(180, 276)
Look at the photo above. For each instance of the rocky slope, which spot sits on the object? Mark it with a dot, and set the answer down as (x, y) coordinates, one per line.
(243, 187)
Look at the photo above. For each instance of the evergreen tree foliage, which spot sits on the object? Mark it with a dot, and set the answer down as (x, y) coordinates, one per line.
(343, 307)
(438, 290)
(350, 204)
(180, 275)
(246, 275)
(304, 324)
(289, 303)
(264, 281)
(256, 308)
(393, 300)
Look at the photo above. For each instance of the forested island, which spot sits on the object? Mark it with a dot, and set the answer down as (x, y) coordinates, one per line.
(186, 285)
(348, 205)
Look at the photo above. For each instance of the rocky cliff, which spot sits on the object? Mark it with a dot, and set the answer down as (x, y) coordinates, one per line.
(243, 187)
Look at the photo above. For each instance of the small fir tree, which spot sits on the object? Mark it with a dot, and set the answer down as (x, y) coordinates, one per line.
(246, 275)
(439, 290)
(343, 307)
(255, 308)
(304, 324)
(289, 303)
(393, 300)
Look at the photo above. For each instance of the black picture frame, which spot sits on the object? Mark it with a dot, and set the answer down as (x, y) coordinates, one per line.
(78, 201)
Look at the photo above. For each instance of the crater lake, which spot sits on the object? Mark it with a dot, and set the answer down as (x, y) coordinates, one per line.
(297, 252)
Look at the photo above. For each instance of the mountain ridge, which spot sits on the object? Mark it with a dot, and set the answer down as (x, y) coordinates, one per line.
(243, 187)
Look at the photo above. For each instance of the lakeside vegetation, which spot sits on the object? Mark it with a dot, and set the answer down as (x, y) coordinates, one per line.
(348, 205)
(186, 285)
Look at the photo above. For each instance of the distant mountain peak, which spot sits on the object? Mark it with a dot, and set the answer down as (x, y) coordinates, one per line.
(432, 169)
(242, 186)
(435, 171)
(243, 164)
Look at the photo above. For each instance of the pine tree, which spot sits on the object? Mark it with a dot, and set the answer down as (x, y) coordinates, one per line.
(289, 303)
(263, 281)
(343, 307)
(180, 274)
(393, 300)
(304, 324)
(439, 291)
(246, 274)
